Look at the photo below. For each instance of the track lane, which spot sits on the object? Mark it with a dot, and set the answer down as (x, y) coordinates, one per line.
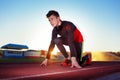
(55, 71)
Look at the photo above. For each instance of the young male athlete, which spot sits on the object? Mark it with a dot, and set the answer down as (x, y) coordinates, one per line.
(68, 35)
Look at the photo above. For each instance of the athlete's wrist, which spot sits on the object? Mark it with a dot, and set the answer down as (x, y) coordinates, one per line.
(73, 58)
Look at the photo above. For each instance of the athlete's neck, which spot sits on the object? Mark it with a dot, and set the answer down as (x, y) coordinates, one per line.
(60, 22)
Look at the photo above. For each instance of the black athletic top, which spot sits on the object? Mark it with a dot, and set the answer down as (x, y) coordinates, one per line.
(68, 31)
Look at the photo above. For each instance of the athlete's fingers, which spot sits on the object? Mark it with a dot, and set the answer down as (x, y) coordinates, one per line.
(77, 66)
(72, 66)
(42, 65)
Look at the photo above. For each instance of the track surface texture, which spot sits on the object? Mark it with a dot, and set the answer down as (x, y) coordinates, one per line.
(54, 71)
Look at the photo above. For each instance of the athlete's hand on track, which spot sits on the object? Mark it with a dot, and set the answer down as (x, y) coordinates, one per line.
(44, 63)
(75, 63)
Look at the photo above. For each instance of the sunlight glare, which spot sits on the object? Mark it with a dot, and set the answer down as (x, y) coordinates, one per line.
(54, 52)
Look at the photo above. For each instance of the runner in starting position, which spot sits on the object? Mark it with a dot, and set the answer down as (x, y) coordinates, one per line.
(68, 35)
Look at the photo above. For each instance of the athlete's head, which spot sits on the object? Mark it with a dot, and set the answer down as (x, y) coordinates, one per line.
(53, 17)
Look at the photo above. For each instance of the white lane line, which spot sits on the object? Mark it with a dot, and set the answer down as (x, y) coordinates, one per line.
(52, 73)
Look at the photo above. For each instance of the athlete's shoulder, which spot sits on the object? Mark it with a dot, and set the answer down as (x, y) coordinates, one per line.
(69, 26)
(67, 22)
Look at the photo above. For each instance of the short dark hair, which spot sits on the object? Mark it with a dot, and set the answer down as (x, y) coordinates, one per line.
(52, 12)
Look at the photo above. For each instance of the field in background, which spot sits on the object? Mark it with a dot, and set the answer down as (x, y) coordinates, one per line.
(30, 60)
(21, 60)
(96, 56)
(105, 56)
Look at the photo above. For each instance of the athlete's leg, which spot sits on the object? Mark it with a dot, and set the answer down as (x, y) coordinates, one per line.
(78, 47)
(59, 43)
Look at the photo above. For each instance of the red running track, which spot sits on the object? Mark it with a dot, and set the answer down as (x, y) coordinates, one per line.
(56, 72)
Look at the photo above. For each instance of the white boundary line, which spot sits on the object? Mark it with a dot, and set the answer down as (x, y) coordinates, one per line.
(52, 73)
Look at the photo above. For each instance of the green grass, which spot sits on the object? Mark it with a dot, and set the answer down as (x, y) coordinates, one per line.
(26, 60)
(21, 60)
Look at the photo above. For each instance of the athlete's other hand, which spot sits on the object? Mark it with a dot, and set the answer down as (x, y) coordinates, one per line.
(44, 63)
(75, 63)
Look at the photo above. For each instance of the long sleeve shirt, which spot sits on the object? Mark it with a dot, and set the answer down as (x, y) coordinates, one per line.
(68, 31)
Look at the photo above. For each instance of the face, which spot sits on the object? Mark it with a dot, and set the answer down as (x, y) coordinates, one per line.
(54, 21)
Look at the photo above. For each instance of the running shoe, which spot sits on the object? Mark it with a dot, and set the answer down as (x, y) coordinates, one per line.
(66, 62)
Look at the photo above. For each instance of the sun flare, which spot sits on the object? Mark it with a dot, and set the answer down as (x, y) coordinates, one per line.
(55, 51)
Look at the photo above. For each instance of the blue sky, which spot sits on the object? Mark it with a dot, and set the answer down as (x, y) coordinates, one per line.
(25, 22)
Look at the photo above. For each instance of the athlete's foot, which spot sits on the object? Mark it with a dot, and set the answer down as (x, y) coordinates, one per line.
(66, 62)
(88, 59)
(75, 63)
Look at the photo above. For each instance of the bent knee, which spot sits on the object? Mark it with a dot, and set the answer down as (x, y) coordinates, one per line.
(57, 41)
